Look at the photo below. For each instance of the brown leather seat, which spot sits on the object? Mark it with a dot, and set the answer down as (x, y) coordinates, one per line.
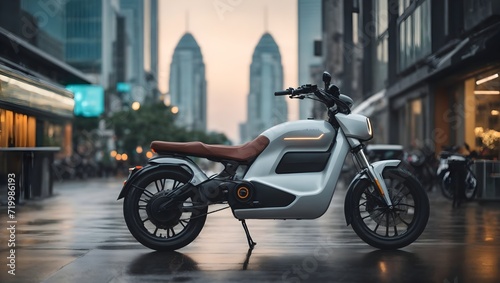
(241, 153)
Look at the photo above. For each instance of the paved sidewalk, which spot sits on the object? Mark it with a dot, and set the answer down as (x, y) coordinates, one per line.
(79, 235)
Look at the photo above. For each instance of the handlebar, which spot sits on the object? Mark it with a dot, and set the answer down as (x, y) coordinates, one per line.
(305, 89)
(329, 97)
(284, 92)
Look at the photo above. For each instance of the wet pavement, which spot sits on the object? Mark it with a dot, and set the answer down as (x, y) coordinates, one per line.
(79, 235)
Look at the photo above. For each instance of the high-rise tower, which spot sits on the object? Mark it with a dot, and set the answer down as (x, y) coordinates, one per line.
(266, 76)
(187, 84)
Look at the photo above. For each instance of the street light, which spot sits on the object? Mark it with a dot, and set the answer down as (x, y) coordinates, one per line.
(175, 110)
(136, 105)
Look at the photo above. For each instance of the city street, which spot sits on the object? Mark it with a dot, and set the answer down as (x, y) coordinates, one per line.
(79, 235)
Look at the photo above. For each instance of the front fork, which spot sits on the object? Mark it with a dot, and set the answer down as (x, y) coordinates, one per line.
(374, 175)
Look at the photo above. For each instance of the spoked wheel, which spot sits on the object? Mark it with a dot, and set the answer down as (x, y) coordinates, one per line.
(158, 221)
(387, 227)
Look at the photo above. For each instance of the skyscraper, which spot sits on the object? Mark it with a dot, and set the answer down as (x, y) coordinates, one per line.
(133, 10)
(151, 37)
(151, 47)
(187, 84)
(266, 76)
(310, 66)
(91, 32)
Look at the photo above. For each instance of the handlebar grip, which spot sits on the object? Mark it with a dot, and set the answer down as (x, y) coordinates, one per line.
(283, 92)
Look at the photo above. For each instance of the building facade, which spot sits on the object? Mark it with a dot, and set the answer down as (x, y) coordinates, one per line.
(309, 41)
(36, 110)
(341, 49)
(266, 76)
(437, 63)
(187, 84)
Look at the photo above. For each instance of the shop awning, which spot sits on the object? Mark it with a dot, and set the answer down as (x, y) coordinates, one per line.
(484, 45)
(18, 54)
(31, 95)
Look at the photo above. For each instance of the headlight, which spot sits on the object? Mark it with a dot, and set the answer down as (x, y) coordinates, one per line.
(369, 125)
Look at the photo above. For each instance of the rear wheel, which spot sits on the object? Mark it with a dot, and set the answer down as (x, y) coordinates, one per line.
(387, 227)
(160, 227)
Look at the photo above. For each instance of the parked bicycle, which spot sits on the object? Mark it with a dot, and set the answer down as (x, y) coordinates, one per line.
(448, 185)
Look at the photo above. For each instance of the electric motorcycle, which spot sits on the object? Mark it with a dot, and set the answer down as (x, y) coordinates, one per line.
(290, 171)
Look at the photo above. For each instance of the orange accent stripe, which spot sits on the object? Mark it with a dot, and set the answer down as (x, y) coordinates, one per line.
(379, 187)
(303, 138)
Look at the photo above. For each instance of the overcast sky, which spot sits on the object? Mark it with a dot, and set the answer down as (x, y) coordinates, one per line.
(227, 32)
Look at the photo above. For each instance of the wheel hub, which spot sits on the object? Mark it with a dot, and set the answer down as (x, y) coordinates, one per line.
(379, 211)
(163, 218)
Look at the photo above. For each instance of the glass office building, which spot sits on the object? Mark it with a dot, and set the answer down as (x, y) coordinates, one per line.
(266, 76)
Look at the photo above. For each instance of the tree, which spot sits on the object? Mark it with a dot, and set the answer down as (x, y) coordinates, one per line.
(153, 122)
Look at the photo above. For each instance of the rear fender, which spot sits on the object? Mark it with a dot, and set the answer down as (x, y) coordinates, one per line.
(184, 165)
(378, 166)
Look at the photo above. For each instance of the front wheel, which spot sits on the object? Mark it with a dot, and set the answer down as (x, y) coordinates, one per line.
(154, 219)
(387, 227)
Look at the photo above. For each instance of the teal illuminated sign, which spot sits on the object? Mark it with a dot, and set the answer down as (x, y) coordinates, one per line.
(89, 100)
(123, 87)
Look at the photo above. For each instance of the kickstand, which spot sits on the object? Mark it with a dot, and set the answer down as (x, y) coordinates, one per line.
(251, 243)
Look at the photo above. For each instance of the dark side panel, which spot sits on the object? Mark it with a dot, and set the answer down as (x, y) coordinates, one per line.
(262, 196)
(302, 162)
(270, 197)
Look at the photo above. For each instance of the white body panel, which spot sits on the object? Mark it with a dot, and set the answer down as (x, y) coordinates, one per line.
(354, 126)
(313, 190)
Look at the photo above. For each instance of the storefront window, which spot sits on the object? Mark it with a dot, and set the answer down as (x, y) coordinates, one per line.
(403, 5)
(487, 114)
(381, 46)
(411, 124)
(414, 35)
(416, 123)
(20, 130)
(53, 134)
(16, 130)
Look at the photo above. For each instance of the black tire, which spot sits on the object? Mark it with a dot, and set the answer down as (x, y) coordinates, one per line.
(403, 224)
(171, 229)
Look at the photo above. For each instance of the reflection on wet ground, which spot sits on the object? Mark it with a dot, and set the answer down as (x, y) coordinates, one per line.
(79, 236)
